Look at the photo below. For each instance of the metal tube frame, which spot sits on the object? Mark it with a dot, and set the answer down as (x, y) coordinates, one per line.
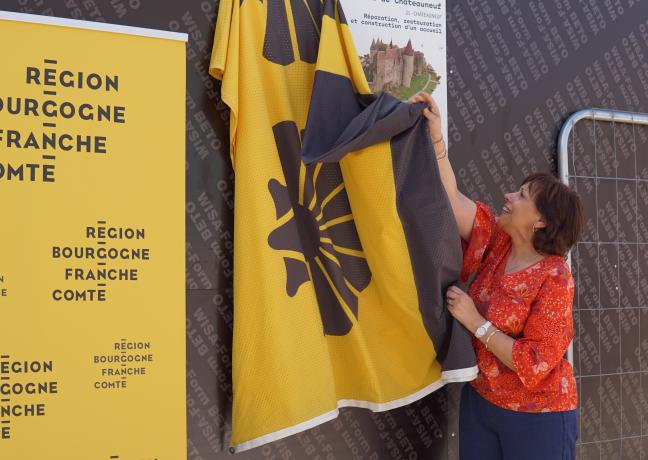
(614, 116)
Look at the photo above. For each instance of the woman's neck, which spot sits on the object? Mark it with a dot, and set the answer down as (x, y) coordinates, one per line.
(522, 249)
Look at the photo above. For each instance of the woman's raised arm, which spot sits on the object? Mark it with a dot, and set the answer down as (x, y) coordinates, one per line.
(464, 208)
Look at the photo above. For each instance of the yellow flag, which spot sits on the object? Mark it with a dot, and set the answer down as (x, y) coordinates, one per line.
(344, 237)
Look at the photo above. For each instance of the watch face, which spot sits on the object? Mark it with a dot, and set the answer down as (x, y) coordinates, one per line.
(481, 330)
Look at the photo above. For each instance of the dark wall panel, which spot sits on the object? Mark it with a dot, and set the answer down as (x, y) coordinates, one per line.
(516, 71)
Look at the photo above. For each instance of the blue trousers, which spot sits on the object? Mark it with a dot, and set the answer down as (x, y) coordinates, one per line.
(489, 432)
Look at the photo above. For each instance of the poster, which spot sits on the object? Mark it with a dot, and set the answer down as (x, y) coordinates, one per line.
(92, 300)
(402, 47)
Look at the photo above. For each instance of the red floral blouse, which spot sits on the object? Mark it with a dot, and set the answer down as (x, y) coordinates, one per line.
(533, 306)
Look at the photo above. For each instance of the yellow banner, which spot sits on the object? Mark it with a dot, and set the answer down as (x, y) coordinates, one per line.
(92, 346)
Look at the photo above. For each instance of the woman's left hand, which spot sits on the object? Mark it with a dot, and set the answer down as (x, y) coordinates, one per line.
(462, 307)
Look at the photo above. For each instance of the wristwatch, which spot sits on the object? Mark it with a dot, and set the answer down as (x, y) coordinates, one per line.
(481, 330)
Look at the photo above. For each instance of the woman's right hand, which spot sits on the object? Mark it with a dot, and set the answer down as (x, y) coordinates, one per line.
(432, 113)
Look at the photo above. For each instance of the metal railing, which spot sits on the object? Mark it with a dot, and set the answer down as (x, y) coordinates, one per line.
(612, 116)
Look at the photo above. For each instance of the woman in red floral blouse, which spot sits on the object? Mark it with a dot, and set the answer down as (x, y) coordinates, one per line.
(522, 404)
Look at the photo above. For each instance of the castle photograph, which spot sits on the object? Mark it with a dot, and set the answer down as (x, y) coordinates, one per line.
(402, 72)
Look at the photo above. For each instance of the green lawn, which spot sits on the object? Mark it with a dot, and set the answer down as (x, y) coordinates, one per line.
(418, 82)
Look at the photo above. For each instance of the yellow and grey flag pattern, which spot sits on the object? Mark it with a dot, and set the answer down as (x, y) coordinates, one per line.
(344, 237)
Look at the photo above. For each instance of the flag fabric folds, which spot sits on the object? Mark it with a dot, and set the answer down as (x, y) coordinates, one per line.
(344, 237)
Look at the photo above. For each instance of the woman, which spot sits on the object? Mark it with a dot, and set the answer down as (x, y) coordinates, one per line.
(519, 308)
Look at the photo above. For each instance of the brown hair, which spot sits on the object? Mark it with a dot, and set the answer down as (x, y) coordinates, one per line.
(562, 210)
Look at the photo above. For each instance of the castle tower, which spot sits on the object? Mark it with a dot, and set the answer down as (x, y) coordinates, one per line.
(379, 76)
(408, 64)
(373, 49)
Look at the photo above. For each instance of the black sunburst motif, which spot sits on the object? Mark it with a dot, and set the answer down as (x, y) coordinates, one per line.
(317, 234)
(307, 22)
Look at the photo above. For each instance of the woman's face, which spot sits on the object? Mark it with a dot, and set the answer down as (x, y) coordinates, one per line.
(519, 212)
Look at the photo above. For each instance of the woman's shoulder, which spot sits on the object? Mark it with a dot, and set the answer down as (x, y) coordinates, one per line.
(485, 217)
(556, 265)
(489, 218)
(557, 271)
(486, 210)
